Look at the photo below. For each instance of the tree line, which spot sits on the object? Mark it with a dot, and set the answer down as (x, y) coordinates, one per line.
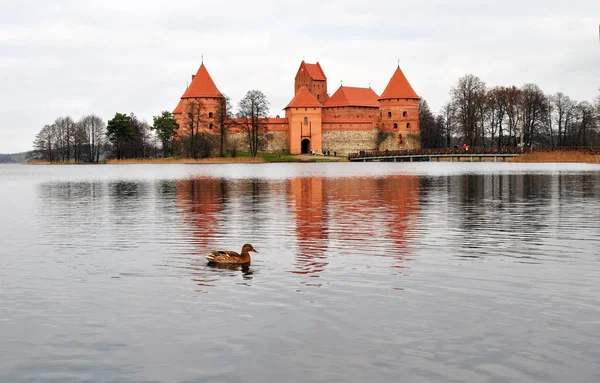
(90, 139)
(509, 116)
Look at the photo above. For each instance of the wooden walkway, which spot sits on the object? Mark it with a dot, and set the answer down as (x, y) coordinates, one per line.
(434, 157)
(457, 154)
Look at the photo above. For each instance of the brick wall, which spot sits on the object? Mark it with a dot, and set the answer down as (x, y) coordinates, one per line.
(346, 112)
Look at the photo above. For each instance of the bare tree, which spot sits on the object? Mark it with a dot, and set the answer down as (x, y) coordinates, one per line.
(64, 127)
(95, 130)
(223, 119)
(534, 105)
(562, 107)
(79, 142)
(253, 110)
(430, 128)
(193, 118)
(585, 123)
(448, 117)
(44, 144)
(466, 96)
(498, 101)
(514, 113)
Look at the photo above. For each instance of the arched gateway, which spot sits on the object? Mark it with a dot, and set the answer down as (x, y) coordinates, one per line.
(305, 146)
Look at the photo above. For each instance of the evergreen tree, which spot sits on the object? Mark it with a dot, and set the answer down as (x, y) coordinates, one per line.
(119, 130)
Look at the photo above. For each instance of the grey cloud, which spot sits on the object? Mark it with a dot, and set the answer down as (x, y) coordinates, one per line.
(79, 57)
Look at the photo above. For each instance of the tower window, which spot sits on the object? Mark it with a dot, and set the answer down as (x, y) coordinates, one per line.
(317, 96)
(390, 114)
(395, 126)
(408, 125)
(210, 126)
(210, 115)
(305, 120)
(404, 114)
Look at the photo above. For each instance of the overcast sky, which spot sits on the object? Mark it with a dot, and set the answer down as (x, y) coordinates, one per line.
(75, 57)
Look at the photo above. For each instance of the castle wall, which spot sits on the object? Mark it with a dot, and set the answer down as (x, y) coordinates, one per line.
(344, 142)
(352, 138)
(347, 112)
(276, 142)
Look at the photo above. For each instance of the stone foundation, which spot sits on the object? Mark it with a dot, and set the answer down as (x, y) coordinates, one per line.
(276, 142)
(343, 142)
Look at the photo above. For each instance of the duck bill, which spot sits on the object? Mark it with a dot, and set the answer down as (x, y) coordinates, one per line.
(254, 251)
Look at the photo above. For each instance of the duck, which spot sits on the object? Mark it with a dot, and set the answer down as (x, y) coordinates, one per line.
(231, 257)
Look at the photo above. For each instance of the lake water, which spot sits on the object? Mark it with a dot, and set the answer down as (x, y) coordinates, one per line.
(380, 272)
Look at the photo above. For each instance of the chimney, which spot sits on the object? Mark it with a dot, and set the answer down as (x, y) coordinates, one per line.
(193, 77)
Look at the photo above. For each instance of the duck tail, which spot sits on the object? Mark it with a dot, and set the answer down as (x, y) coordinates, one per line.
(210, 257)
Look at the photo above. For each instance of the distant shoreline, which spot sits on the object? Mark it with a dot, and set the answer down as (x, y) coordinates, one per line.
(210, 160)
(537, 157)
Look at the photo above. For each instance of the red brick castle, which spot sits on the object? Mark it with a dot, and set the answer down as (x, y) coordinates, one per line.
(352, 119)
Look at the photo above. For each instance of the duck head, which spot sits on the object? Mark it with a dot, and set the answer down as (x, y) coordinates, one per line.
(248, 248)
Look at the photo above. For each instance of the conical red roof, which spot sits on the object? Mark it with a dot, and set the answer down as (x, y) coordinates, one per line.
(202, 85)
(304, 99)
(350, 96)
(398, 87)
(179, 108)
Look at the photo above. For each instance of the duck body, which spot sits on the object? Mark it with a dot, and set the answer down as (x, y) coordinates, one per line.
(231, 257)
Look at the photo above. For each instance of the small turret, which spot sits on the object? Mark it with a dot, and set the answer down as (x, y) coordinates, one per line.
(399, 109)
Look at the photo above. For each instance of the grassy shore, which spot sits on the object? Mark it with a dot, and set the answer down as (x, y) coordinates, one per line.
(541, 157)
(241, 158)
(245, 158)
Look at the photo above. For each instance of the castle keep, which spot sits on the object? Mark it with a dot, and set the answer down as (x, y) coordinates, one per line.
(351, 120)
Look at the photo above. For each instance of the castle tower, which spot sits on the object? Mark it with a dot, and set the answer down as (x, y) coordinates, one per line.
(313, 78)
(204, 90)
(178, 112)
(305, 123)
(399, 111)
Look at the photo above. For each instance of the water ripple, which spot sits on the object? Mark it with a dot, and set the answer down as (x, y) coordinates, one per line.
(452, 272)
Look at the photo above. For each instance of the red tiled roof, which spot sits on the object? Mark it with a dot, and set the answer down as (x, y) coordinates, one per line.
(303, 99)
(179, 108)
(314, 71)
(398, 87)
(350, 96)
(202, 86)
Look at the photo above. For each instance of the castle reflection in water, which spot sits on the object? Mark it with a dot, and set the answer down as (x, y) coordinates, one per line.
(303, 218)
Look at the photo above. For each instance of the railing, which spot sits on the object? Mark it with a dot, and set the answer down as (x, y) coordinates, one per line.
(473, 151)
